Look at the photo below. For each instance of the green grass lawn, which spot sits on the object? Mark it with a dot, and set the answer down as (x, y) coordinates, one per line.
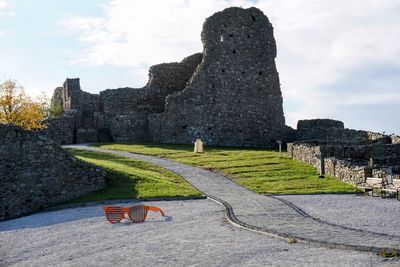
(259, 170)
(128, 178)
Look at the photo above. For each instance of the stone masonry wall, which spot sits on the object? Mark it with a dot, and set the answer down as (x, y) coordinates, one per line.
(350, 162)
(118, 114)
(345, 170)
(327, 130)
(126, 110)
(35, 172)
(234, 97)
(61, 129)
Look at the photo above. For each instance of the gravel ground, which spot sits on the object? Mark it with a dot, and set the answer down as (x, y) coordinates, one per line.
(195, 233)
(357, 211)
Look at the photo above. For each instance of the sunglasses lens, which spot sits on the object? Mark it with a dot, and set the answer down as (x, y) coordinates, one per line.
(114, 214)
(137, 214)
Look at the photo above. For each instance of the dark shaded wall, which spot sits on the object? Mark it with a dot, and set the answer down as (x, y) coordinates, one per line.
(35, 172)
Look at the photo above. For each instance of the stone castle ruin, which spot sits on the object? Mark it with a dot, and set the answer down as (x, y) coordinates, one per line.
(228, 95)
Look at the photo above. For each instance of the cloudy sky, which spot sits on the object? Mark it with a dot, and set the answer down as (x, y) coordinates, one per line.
(336, 59)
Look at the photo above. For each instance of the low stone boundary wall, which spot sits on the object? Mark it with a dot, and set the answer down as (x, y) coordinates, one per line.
(349, 171)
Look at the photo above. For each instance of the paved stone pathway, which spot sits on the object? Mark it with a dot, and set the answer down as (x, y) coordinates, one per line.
(269, 215)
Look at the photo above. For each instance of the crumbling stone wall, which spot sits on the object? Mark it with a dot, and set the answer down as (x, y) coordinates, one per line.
(35, 172)
(57, 100)
(61, 129)
(352, 172)
(234, 97)
(118, 114)
(350, 162)
(126, 110)
(327, 130)
(81, 118)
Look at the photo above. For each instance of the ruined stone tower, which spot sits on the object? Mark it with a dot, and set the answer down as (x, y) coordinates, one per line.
(234, 97)
(229, 95)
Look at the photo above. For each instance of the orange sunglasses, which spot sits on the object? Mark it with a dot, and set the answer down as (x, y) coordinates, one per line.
(137, 214)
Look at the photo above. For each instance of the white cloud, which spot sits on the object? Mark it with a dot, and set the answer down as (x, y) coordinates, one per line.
(3, 4)
(319, 42)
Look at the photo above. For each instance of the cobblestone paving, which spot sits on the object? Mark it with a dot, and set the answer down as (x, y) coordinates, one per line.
(268, 214)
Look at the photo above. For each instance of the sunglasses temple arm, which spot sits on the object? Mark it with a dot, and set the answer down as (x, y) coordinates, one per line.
(152, 208)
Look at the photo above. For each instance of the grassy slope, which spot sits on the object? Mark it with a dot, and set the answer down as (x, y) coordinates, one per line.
(259, 170)
(127, 178)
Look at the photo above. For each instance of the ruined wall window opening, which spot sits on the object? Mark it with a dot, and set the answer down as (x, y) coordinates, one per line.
(260, 73)
(230, 35)
(234, 51)
(249, 36)
(253, 18)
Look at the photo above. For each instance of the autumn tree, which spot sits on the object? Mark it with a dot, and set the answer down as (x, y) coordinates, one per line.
(16, 107)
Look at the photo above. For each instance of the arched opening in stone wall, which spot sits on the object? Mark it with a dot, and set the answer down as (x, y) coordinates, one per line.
(104, 135)
(253, 18)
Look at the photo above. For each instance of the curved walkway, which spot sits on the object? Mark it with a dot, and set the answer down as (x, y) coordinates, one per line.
(269, 215)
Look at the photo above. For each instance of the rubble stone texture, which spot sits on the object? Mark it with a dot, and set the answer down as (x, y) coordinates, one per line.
(35, 172)
(234, 97)
(327, 130)
(117, 114)
(350, 155)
